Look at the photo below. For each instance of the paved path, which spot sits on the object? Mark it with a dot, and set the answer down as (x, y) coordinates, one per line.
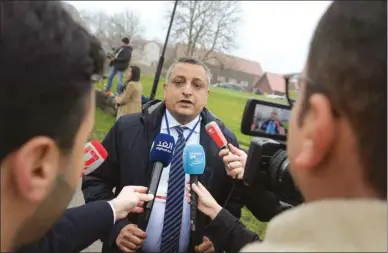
(78, 200)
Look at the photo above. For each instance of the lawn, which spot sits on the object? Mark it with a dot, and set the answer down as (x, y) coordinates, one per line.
(227, 105)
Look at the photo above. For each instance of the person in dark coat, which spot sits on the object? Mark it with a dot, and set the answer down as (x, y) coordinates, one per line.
(128, 144)
(80, 226)
(119, 63)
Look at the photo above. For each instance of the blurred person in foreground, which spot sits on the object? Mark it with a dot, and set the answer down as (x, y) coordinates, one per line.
(129, 101)
(336, 143)
(119, 62)
(184, 116)
(48, 61)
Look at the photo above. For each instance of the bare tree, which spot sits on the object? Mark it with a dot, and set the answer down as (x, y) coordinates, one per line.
(113, 27)
(125, 24)
(206, 26)
(97, 22)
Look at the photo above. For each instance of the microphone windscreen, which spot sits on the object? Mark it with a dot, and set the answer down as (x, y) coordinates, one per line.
(162, 149)
(215, 133)
(94, 155)
(194, 159)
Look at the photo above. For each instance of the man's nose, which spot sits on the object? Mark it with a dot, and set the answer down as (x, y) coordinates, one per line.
(187, 89)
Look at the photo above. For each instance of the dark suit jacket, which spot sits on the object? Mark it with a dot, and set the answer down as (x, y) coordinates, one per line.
(78, 228)
(128, 144)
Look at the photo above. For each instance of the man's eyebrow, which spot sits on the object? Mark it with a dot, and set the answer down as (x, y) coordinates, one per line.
(179, 76)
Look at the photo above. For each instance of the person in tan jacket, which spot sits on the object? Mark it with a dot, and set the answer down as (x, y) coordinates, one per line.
(336, 145)
(129, 101)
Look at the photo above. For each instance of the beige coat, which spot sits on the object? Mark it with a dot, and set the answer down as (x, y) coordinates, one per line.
(327, 226)
(130, 99)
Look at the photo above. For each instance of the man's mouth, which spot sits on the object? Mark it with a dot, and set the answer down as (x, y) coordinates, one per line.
(186, 102)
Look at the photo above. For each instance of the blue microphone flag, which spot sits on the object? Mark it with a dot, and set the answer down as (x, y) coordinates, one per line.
(194, 159)
(162, 149)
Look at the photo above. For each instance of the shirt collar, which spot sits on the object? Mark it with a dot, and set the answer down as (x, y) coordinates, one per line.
(172, 122)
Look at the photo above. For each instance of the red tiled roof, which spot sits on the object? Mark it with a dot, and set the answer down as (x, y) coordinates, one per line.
(228, 61)
(276, 82)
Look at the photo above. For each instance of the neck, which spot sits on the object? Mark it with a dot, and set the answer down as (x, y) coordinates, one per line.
(8, 228)
(183, 120)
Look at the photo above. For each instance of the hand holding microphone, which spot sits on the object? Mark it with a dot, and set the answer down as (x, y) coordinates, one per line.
(233, 157)
(206, 203)
(130, 200)
(235, 160)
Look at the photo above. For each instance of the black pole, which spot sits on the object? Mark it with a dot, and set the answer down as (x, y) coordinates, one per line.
(161, 59)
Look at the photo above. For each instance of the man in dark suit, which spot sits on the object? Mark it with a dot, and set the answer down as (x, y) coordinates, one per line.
(183, 115)
(80, 226)
(119, 63)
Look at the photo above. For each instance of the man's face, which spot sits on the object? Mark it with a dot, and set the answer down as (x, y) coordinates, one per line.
(274, 116)
(58, 188)
(187, 91)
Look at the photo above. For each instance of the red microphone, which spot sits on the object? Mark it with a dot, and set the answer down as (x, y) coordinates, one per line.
(94, 155)
(216, 134)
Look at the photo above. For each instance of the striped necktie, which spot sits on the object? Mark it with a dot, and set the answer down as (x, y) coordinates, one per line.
(175, 197)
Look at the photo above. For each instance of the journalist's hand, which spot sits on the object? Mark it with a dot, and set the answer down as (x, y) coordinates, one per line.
(206, 203)
(205, 247)
(234, 160)
(130, 238)
(130, 199)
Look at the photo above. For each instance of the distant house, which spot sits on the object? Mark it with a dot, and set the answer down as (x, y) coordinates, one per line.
(228, 68)
(270, 83)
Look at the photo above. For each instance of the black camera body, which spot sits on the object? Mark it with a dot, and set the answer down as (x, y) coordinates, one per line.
(267, 157)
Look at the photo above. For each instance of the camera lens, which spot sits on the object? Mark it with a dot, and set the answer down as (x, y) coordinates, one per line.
(281, 179)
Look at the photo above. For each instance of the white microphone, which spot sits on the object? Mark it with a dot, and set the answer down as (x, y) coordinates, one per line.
(94, 155)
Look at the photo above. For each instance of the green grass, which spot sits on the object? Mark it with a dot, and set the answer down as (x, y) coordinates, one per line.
(227, 105)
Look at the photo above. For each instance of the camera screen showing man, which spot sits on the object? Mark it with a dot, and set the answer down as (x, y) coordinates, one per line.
(270, 120)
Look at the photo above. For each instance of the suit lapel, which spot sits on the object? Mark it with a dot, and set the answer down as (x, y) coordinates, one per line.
(207, 144)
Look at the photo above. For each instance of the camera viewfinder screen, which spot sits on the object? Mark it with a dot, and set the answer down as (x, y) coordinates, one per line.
(270, 120)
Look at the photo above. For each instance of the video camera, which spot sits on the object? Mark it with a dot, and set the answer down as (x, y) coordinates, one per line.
(267, 158)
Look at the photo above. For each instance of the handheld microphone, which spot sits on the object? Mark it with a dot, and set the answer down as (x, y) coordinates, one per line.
(94, 155)
(216, 134)
(194, 161)
(161, 155)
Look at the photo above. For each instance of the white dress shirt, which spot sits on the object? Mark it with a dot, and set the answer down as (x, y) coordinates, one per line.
(155, 224)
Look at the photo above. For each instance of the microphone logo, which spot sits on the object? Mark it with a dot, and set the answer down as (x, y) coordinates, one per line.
(196, 158)
(90, 156)
(165, 146)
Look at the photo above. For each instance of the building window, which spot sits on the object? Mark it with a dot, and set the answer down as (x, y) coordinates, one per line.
(231, 80)
(244, 83)
(220, 79)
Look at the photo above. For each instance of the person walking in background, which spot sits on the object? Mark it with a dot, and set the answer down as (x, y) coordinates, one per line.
(129, 101)
(119, 64)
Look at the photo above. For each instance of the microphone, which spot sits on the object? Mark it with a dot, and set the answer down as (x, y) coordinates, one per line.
(161, 155)
(216, 134)
(94, 155)
(194, 161)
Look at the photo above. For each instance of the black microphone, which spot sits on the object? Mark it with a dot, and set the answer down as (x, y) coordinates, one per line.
(161, 155)
(194, 162)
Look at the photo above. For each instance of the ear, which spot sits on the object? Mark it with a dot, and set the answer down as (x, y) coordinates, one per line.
(317, 129)
(208, 91)
(34, 167)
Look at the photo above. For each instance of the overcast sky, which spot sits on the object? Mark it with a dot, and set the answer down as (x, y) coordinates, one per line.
(274, 33)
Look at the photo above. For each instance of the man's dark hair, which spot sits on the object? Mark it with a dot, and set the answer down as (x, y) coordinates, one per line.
(47, 61)
(135, 73)
(125, 41)
(347, 62)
